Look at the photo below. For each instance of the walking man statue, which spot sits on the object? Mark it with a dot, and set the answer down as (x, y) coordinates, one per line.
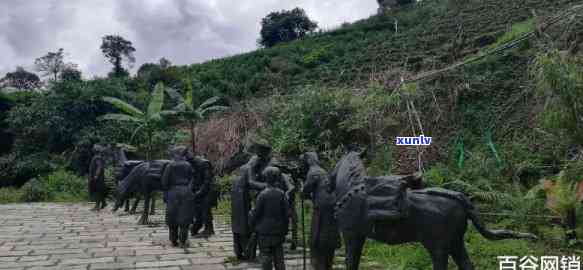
(176, 181)
(270, 221)
(97, 187)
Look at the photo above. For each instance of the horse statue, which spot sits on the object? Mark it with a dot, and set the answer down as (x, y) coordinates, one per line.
(384, 209)
(144, 178)
(122, 168)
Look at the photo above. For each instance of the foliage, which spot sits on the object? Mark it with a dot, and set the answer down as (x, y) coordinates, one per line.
(559, 79)
(565, 193)
(517, 30)
(71, 74)
(147, 122)
(324, 119)
(115, 48)
(285, 26)
(10, 195)
(17, 168)
(53, 64)
(60, 186)
(151, 74)
(189, 112)
(21, 79)
(6, 138)
(573, 172)
(33, 191)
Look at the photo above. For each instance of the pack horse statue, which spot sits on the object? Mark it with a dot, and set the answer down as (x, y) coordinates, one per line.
(383, 209)
(143, 178)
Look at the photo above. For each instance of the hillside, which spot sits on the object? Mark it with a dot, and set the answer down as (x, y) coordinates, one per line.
(488, 97)
(502, 126)
(506, 123)
(430, 35)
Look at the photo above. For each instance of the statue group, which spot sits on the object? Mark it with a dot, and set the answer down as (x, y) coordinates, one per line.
(347, 204)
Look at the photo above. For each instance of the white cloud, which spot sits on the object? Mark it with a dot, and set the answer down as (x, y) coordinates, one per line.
(183, 31)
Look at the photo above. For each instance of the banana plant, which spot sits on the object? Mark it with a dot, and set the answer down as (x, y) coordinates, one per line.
(147, 121)
(190, 113)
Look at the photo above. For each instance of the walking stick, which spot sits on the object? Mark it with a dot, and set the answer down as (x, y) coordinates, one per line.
(303, 233)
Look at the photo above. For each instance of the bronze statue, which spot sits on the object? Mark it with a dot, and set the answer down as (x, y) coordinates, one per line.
(240, 207)
(122, 168)
(269, 219)
(250, 179)
(375, 207)
(143, 179)
(176, 181)
(205, 197)
(257, 164)
(324, 237)
(97, 187)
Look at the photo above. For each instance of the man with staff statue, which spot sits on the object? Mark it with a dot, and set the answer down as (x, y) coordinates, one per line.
(324, 237)
(270, 221)
(205, 197)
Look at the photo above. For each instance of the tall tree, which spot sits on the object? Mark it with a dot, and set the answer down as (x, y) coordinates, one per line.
(190, 112)
(21, 79)
(148, 121)
(286, 25)
(52, 64)
(115, 48)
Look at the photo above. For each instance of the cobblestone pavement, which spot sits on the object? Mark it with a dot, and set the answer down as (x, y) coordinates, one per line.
(70, 236)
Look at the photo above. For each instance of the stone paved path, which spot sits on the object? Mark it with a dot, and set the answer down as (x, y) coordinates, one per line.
(69, 236)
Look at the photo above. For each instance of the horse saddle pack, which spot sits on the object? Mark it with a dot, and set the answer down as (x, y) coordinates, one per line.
(156, 168)
(386, 198)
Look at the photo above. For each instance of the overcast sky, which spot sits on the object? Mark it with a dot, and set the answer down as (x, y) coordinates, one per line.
(183, 31)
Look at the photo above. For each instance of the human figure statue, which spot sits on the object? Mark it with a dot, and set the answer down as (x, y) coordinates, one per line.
(240, 207)
(97, 187)
(324, 237)
(270, 221)
(257, 164)
(176, 181)
(250, 179)
(205, 197)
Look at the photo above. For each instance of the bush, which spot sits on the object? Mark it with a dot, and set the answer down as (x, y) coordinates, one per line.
(224, 184)
(58, 186)
(10, 195)
(33, 191)
(62, 185)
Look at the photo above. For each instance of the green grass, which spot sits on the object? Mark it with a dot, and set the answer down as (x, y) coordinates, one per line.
(483, 252)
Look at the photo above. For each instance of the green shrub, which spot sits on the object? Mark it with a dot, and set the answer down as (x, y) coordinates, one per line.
(10, 195)
(559, 80)
(33, 191)
(58, 186)
(62, 185)
(224, 184)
